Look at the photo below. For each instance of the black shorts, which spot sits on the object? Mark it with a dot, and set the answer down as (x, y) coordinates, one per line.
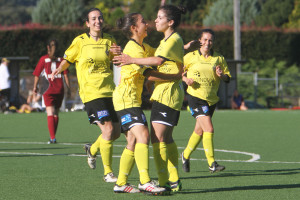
(101, 110)
(163, 114)
(200, 107)
(131, 117)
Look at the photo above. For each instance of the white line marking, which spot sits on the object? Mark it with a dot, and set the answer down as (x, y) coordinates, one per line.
(254, 157)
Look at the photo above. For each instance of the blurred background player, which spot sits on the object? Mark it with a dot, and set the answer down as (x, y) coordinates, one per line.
(5, 84)
(54, 94)
(237, 101)
(92, 52)
(33, 103)
(205, 69)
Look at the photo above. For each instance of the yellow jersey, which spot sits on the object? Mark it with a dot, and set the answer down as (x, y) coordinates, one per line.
(202, 71)
(170, 93)
(92, 61)
(128, 93)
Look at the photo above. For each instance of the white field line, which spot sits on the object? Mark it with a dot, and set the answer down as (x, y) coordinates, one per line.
(254, 157)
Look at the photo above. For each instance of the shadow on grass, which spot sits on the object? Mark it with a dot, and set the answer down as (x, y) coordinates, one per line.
(238, 173)
(241, 188)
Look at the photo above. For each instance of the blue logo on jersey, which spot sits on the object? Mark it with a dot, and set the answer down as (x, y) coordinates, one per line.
(102, 113)
(144, 118)
(205, 109)
(126, 119)
(192, 111)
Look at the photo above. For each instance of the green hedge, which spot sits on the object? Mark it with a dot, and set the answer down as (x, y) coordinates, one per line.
(255, 44)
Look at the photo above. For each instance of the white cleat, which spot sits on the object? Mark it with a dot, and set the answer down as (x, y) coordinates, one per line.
(91, 159)
(126, 189)
(110, 178)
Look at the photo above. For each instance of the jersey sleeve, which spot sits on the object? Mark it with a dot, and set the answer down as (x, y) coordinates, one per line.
(149, 50)
(172, 50)
(39, 67)
(72, 52)
(186, 61)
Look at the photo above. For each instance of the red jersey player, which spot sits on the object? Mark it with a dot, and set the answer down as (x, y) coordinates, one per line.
(54, 94)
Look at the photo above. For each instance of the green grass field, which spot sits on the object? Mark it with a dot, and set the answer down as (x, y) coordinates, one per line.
(260, 149)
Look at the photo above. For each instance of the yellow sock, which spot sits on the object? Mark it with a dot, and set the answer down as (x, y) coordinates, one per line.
(208, 146)
(141, 154)
(126, 164)
(194, 140)
(106, 149)
(161, 159)
(95, 146)
(173, 162)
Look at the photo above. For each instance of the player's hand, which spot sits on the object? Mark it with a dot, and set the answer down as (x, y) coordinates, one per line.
(35, 90)
(219, 71)
(122, 59)
(188, 81)
(194, 44)
(55, 73)
(115, 49)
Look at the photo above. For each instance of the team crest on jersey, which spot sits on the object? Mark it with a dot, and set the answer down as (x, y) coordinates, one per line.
(102, 113)
(205, 109)
(126, 119)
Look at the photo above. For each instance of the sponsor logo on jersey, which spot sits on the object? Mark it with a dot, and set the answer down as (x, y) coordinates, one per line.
(144, 118)
(163, 114)
(205, 109)
(136, 118)
(102, 113)
(126, 119)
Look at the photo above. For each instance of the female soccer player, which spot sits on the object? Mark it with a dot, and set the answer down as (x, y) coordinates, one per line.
(91, 52)
(127, 102)
(167, 96)
(54, 94)
(205, 68)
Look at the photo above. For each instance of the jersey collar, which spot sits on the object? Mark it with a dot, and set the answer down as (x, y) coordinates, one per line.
(137, 43)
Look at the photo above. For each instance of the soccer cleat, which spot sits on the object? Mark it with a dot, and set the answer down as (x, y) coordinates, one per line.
(91, 159)
(52, 141)
(174, 186)
(110, 178)
(215, 167)
(152, 189)
(185, 163)
(126, 189)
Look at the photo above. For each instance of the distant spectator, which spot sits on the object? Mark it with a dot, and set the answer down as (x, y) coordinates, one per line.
(4, 84)
(33, 103)
(237, 101)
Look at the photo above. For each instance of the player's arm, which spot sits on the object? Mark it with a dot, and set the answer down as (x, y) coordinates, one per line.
(153, 75)
(125, 59)
(35, 84)
(221, 75)
(62, 67)
(67, 81)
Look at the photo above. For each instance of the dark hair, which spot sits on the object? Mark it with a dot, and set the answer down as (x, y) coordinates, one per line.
(54, 40)
(91, 10)
(126, 22)
(206, 31)
(173, 13)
